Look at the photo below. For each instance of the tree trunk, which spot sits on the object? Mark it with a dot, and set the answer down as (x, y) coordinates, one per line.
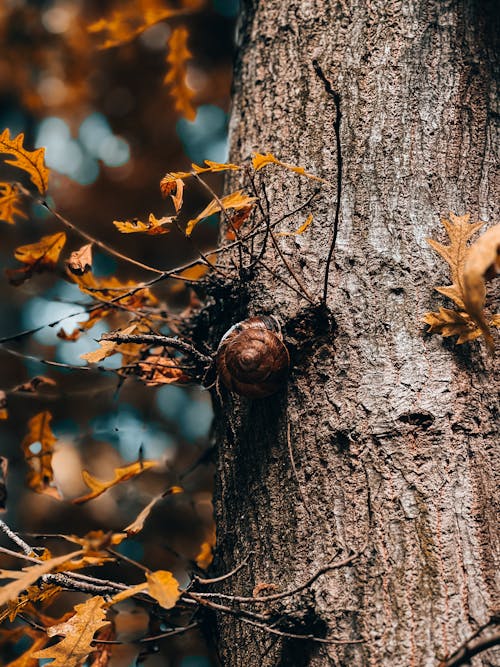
(392, 431)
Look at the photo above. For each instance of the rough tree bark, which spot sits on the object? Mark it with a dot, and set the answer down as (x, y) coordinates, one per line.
(392, 431)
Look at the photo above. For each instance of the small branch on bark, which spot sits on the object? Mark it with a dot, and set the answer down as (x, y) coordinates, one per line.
(157, 339)
(472, 646)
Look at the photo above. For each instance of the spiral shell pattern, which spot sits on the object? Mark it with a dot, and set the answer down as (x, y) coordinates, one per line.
(252, 359)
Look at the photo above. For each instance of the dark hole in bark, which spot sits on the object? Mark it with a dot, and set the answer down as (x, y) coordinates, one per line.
(423, 420)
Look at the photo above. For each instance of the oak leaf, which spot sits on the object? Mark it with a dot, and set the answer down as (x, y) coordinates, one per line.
(29, 597)
(299, 230)
(38, 448)
(178, 55)
(39, 256)
(260, 160)
(78, 633)
(80, 261)
(98, 486)
(482, 263)
(25, 578)
(134, 18)
(9, 203)
(158, 370)
(236, 200)
(153, 226)
(33, 162)
(130, 351)
(211, 167)
(452, 323)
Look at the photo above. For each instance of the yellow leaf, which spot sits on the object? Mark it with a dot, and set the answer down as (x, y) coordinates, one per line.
(259, 161)
(39, 256)
(153, 226)
(4, 413)
(212, 167)
(205, 556)
(138, 523)
(178, 55)
(175, 190)
(164, 588)
(459, 232)
(9, 202)
(78, 633)
(28, 576)
(96, 540)
(121, 475)
(32, 594)
(301, 229)
(38, 448)
(236, 200)
(157, 370)
(482, 262)
(134, 18)
(130, 351)
(452, 323)
(32, 162)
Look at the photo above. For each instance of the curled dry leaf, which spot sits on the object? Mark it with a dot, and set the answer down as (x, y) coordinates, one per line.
(33, 162)
(130, 351)
(482, 263)
(173, 189)
(78, 633)
(157, 370)
(236, 201)
(301, 229)
(260, 160)
(28, 575)
(39, 256)
(238, 219)
(38, 448)
(34, 384)
(178, 55)
(138, 523)
(452, 323)
(80, 261)
(97, 486)
(9, 203)
(154, 225)
(25, 600)
(211, 167)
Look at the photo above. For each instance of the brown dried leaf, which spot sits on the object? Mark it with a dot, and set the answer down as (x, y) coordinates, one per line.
(157, 370)
(175, 190)
(96, 540)
(153, 226)
(9, 203)
(452, 323)
(39, 256)
(33, 384)
(80, 261)
(259, 161)
(178, 55)
(25, 578)
(33, 162)
(138, 523)
(130, 351)
(482, 263)
(236, 200)
(121, 475)
(238, 219)
(41, 476)
(27, 599)
(212, 167)
(78, 634)
(263, 588)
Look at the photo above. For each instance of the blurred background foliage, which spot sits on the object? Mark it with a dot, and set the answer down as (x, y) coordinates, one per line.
(111, 132)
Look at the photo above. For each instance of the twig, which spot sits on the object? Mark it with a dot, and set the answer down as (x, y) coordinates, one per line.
(157, 339)
(155, 638)
(292, 461)
(336, 126)
(470, 648)
(216, 580)
(285, 594)
(27, 550)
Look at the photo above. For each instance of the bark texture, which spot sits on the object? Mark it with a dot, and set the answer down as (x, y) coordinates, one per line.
(393, 432)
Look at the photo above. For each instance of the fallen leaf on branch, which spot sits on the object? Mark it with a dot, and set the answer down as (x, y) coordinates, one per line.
(33, 162)
(34, 384)
(9, 203)
(301, 229)
(39, 256)
(259, 161)
(236, 200)
(134, 18)
(238, 219)
(97, 486)
(160, 585)
(130, 351)
(178, 55)
(154, 225)
(38, 448)
(482, 263)
(212, 167)
(138, 523)
(470, 267)
(157, 370)
(25, 578)
(80, 261)
(78, 633)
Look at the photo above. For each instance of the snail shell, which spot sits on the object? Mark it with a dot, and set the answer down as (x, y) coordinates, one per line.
(252, 359)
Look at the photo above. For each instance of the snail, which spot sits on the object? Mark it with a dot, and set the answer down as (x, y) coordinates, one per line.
(252, 359)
